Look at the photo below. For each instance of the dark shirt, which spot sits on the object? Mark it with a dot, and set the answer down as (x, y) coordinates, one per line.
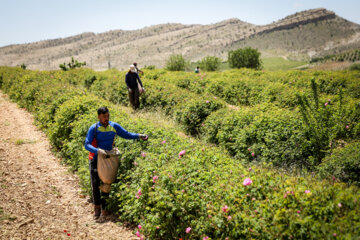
(130, 80)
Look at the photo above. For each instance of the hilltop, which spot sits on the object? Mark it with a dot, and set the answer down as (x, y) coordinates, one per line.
(315, 32)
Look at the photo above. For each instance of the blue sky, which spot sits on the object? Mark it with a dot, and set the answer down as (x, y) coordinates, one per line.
(23, 21)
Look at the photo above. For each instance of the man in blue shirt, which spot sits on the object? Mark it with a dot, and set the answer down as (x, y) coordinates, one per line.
(100, 137)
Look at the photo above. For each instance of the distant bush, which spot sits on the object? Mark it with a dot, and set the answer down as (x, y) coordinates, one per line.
(210, 63)
(355, 66)
(343, 164)
(244, 58)
(193, 113)
(176, 63)
(150, 67)
(23, 66)
(89, 81)
(71, 65)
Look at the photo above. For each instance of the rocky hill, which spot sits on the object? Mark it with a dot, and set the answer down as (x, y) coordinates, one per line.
(302, 35)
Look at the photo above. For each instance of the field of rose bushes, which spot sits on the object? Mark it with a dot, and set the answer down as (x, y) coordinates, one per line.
(237, 185)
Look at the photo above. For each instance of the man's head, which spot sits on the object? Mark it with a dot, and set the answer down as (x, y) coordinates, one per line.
(103, 115)
(135, 64)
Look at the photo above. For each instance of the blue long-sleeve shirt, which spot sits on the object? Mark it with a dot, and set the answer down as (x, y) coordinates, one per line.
(105, 137)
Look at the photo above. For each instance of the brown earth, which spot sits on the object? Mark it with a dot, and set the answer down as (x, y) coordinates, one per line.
(40, 197)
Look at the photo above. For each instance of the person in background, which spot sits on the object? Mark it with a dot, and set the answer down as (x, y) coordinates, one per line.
(135, 87)
(137, 69)
(100, 137)
(197, 69)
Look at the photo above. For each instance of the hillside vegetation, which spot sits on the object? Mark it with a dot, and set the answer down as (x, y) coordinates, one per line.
(271, 162)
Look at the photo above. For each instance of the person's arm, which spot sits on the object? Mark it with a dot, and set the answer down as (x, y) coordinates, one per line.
(89, 139)
(123, 133)
(137, 76)
(139, 70)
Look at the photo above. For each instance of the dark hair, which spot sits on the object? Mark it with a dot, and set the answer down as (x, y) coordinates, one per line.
(102, 110)
(134, 63)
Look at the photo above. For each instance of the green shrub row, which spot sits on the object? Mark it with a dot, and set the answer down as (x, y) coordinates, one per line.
(279, 136)
(202, 189)
(258, 86)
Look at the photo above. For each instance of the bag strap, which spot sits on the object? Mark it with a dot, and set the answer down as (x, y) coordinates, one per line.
(95, 133)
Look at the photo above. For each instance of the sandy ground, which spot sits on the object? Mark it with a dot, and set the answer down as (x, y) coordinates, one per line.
(39, 197)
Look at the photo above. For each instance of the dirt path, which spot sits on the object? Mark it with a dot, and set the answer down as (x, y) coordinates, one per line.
(39, 197)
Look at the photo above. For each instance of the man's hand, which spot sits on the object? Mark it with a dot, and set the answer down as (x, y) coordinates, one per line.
(101, 152)
(143, 137)
(130, 90)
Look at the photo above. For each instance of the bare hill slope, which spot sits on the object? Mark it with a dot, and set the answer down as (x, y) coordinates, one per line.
(300, 35)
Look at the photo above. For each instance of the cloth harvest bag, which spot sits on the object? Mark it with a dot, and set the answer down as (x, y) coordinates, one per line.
(139, 87)
(107, 167)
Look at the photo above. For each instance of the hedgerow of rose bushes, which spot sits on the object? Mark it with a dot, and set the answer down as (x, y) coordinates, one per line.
(261, 87)
(277, 136)
(200, 193)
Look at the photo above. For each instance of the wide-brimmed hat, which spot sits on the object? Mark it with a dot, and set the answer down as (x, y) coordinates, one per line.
(132, 68)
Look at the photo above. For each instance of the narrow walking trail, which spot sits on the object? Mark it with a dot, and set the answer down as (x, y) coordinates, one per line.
(40, 197)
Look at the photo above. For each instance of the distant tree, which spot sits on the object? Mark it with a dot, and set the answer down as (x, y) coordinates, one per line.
(23, 66)
(71, 65)
(150, 67)
(210, 63)
(176, 63)
(244, 58)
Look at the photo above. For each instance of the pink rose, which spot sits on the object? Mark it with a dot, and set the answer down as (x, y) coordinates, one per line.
(138, 234)
(139, 226)
(253, 154)
(163, 142)
(188, 230)
(139, 192)
(247, 182)
(155, 178)
(229, 218)
(225, 208)
(182, 153)
(339, 205)
(307, 191)
(143, 154)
